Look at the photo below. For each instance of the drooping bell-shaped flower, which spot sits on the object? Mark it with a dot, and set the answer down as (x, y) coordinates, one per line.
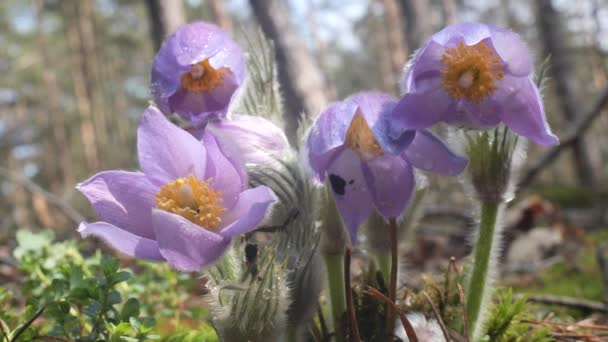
(196, 72)
(186, 205)
(473, 75)
(349, 144)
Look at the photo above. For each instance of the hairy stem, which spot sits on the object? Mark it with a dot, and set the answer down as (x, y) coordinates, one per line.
(335, 277)
(384, 265)
(479, 282)
(392, 285)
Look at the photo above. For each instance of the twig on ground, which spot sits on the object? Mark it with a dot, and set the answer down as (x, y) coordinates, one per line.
(437, 316)
(570, 301)
(409, 329)
(465, 319)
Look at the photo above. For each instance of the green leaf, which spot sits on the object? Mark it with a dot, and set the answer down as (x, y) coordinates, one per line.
(109, 265)
(114, 297)
(130, 309)
(93, 309)
(120, 277)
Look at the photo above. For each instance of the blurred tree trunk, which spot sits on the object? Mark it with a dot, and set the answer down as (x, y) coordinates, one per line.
(450, 12)
(321, 54)
(418, 26)
(555, 44)
(92, 75)
(164, 17)
(300, 79)
(83, 103)
(381, 50)
(64, 173)
(397, 42)
(222, 17)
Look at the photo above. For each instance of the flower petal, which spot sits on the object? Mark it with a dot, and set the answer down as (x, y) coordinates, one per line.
(186, 246)
(124, 199)
(350, 190)
(471, 33)
(522, 110)
(391, 182)
(375, 107)
(197, 107)
(122, 240)
(426, 65)
(327, 135)
(227, 176)
(513, 51)
(419, 110)
(252, 207)
(250, 139)
(167, 152)
(429, 153)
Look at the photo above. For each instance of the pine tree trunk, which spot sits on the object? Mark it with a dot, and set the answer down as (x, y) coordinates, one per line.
(554, 40)
(397, 41)
(418, 26)
(300, 79)
(61, 146)
(222, 17)
(164, 17)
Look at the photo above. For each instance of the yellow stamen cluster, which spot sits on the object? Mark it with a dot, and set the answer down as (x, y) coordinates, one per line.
(471, 72)
(202, 77)
(193, 199)
(361, 139)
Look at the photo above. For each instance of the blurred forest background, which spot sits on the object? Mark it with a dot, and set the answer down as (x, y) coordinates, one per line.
(75, 78)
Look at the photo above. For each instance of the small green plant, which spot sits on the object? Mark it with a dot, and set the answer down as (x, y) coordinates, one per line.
(506, 321)
(76, 298)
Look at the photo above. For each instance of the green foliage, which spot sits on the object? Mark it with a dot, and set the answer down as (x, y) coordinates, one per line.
(64, 294)
(78, 297)
(506, 322)
(205, 333)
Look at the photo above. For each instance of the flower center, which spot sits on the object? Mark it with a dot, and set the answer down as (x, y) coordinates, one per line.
(361, 139)
(202, 77)
(193, 199)
(471, 72)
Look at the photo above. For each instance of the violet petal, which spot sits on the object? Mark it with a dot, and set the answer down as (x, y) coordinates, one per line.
(185, 245)
(122, 240)
(167, 152)
(124, 199)
(429, 153)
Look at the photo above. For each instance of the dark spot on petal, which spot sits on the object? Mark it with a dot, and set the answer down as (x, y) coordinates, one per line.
(351, 181)
(337, 184)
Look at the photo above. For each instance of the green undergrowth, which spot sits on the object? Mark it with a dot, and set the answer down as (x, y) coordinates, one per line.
(62, 294)
(579, 276)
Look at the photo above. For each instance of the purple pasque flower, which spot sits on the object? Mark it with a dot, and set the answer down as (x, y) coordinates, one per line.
(186, 205)
(349, 144)
(473, 75)
(196, 72)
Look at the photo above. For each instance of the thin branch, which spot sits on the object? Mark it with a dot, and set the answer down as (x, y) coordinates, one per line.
(67, 209)
(570, 302)
(409, 329)
(567, 140)
(437, 316)
(350, 306)
(28, 323)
